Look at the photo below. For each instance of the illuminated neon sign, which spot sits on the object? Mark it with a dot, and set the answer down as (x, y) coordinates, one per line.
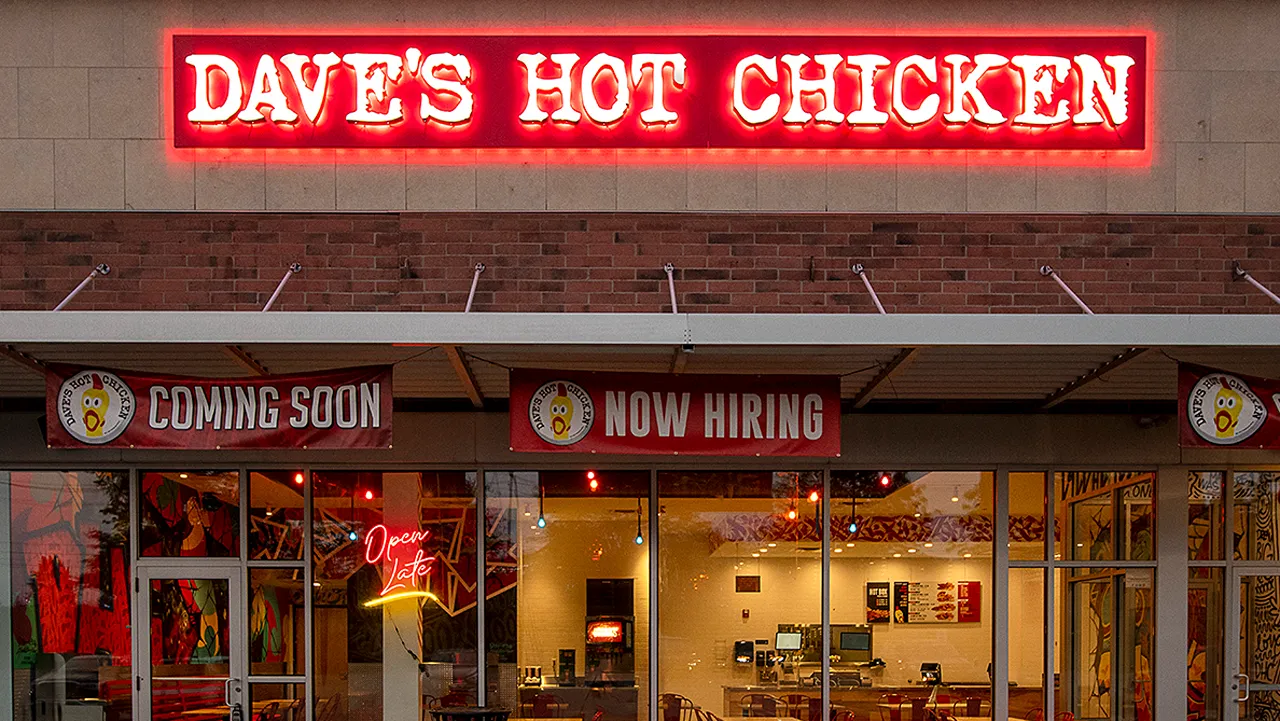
(932, 92)
(403, 576)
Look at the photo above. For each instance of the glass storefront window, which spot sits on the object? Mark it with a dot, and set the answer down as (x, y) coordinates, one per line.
(1257, 523)
(1206, 516)
(68, 561)
(1027, 526)
(1104, 515)
(1106, 632)
(276, 515)
(567, 593)
(393, 617)
(277, 626)
(190, 513)
(1205, 608)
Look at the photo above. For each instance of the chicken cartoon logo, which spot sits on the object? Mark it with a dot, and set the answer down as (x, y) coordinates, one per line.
(94, 403)
(1223, 410)
(1227, 404)
(561, 412)
(94, 406)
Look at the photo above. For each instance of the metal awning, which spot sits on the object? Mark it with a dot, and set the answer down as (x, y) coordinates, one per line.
(1036, 361)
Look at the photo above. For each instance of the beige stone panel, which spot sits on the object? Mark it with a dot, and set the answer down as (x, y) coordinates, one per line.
(588, 185)
(1182, 104)
(1210, 177)
(89, 33)
(124, 102)
(726, 185)
(8, 102)
(89, 174)
(1001, 189)
(497, 14)
(1228, 35)
(932, 188)
(792, 186)
(303, 186)
(653, 185)
(1071, 189)
(145, 22)
(372, 186)
(155, 181)
(231, 180)
(858, 188)
(1245, 107)
(1144, 189)
(516, 184)
(1262, 178)
(433, 185)
(329, 14)
(26, 33)
(235, 14)
(26, 174)
(53, 102)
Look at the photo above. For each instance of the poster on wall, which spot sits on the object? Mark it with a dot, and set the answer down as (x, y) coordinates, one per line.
(657, 413)
(93, 407)
(937, 602)
(1217, 409)
(878, 602)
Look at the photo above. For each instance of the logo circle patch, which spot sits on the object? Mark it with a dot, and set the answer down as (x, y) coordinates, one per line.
(1224, 410)
(95, 407)
(561, 412)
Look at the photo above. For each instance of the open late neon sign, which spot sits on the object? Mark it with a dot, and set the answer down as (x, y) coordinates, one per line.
(406, 569)
(1082, 93)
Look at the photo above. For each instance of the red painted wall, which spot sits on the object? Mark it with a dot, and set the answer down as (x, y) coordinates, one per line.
(612, 262)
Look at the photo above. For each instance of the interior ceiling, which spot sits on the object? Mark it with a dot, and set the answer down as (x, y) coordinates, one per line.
(970, 373)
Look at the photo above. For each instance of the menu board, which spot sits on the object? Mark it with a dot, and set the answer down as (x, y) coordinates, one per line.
(878, 602)
(935, 602)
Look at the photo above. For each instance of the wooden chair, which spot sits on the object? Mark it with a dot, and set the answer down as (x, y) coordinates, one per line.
(700, 714)
(842, 715)
(919, 708)
(270, 712)
(545, 705)
(1064, 716)
(1035, 714)
(760, 704)
(676, 708)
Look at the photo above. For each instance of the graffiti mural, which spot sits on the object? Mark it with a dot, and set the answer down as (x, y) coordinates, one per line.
(190, 514)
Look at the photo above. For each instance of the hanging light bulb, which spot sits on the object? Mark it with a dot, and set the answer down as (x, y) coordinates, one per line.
(592, 481)
(542, 495)
(955, 495)
(885, 480)
(791, 513)
(352, 535)
(368, 495)
(298, 478)
(814, 496)
(853, 516)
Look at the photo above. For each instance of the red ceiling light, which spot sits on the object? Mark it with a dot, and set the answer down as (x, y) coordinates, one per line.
(792, 513)
(885, 480)
(298, 478)
(368, 495)
(814, 496)
(592, 480)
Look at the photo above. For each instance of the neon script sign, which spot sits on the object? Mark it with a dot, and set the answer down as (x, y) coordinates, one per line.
(401, 573)
(651, 91)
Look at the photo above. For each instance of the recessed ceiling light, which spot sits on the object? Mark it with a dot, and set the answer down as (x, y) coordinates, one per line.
(182, 475)
(848, 545)
(917, 514)
(911, 550)
(755, 555)
(839, 550)
(928, 545)
(764, 550)
(897, 555)
(968, 555)
(773, 545)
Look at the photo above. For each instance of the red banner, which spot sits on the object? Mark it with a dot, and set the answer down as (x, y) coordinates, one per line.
(780, 90)
(1217, 409)
(347, 408)
(653, 413)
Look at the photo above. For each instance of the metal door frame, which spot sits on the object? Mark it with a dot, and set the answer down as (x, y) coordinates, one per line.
(1237, 693)
(233, 572)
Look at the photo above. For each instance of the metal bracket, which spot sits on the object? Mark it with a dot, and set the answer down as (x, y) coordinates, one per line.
(99, 269)
(1047, 270)
(475, 280)
(860, 271)
(671, 285)
(294, 268)
(1238, 273)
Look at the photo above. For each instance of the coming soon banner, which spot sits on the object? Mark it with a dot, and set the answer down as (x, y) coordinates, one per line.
(1221, 409)
(652, 413)
(346, 408)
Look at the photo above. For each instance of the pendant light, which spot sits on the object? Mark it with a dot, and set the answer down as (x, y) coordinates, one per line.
(352, 535)
(853, 516)
(639, 517)
(542, 495)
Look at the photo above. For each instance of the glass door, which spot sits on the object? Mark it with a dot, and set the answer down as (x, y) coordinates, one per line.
(1254, 645)
(191, 656)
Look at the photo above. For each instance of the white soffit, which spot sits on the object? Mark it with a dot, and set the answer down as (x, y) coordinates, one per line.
(631, 329)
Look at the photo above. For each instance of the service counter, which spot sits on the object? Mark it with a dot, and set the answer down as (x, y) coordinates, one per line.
(619, 703)
(865, 701)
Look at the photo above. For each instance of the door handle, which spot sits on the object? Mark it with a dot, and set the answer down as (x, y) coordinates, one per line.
(1245, 678)
(226, 691)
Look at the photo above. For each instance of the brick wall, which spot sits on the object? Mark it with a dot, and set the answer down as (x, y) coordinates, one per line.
(612, 262)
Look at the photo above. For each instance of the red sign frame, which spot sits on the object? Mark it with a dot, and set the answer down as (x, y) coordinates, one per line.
(655, 413)
(698, 108)
(1221, 409)
(97, 408)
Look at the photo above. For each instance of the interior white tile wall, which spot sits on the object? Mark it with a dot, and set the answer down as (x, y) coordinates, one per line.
(91, 70)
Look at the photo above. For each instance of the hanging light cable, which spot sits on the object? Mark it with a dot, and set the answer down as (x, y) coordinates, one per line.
(853, 516)
(542, 495)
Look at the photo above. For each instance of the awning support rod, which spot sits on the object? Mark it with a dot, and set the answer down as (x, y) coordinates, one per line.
(1049, 271)
(475, 280)
(100, 269)
(862, 273)
(293, 268)
(1238, 273)
(671, 285)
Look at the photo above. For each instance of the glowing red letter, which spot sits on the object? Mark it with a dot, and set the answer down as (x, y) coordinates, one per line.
(204, 112)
